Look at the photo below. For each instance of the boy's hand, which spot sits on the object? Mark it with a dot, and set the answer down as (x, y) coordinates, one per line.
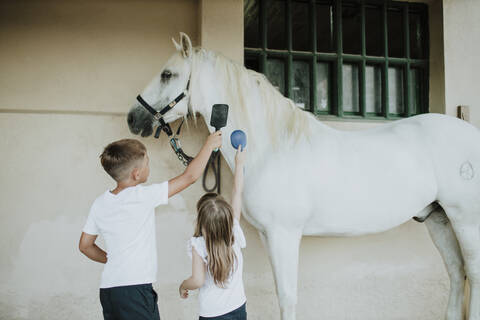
(183, 292)
(215, 140)
(240, 156)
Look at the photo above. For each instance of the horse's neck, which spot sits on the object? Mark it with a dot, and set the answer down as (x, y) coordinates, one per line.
(208, 89)
(257, 140)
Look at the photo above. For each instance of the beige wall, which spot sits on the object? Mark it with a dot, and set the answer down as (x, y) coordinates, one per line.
(221, 27)
(70, 70)
(86, 55)
(462, 66)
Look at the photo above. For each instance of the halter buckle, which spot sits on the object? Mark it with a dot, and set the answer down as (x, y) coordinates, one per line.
(175, 143)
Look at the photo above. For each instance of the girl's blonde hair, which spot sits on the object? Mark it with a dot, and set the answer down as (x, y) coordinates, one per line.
(215, 225)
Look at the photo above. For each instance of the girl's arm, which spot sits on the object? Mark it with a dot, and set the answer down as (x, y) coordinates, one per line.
(197, 279)
(238, 183)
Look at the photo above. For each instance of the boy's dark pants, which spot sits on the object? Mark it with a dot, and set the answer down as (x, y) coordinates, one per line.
(136, 302)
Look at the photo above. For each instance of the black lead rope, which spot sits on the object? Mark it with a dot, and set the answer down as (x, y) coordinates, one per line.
(185, 159)
(215, 156)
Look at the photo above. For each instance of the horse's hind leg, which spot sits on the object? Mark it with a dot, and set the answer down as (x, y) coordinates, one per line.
(466, 224)
(444, 238)
(283, 246)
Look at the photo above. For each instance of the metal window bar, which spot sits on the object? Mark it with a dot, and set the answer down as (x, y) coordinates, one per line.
(363, 64)
(385, 97)
(313, 39)
(407, 78)
(338, 58)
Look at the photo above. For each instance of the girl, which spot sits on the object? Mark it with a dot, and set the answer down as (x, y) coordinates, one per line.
(215, 248)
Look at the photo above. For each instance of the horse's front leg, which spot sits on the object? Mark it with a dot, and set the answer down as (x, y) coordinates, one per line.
(283, 245)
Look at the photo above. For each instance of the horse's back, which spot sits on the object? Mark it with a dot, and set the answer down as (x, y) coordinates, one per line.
(367, 181)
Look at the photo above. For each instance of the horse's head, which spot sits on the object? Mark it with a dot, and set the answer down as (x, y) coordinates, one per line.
(163, 89)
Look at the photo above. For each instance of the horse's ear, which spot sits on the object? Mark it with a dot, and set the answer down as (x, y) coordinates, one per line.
(177, 46)
(186, 45)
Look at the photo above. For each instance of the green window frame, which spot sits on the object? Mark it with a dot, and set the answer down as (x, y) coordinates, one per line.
(407, 74)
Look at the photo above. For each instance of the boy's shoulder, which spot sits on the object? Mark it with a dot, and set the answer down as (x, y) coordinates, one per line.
(99, 201)
(153, 194)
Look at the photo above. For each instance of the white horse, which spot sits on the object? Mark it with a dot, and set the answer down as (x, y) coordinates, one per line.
(305, 178)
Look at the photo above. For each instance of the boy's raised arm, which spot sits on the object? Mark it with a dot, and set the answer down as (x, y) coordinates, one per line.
(196, 167)
(238, 183)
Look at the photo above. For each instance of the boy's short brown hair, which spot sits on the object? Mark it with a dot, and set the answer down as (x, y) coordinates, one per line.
(119, 157)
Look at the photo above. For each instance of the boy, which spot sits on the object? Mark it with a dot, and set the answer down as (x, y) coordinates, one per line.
(125, 217)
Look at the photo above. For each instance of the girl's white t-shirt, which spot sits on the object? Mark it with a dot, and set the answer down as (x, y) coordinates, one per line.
(216, 301)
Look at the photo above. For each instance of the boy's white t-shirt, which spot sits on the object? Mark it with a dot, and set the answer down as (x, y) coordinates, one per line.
(127, 223)
(216, 301)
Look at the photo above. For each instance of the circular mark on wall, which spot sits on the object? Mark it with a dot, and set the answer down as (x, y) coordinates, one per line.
(466, 171)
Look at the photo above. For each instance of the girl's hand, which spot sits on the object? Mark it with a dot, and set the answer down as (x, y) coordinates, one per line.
(240, 156)
(183, 292)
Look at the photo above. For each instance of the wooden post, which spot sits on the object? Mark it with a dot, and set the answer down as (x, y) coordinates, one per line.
(463, 112)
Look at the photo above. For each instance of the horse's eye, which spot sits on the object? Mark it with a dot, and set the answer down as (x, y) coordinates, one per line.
(166, 75)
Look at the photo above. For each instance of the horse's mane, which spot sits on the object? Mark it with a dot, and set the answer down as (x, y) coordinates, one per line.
(285, 118)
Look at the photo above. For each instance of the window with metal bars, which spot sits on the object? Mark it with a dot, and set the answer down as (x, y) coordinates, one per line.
(343, 58)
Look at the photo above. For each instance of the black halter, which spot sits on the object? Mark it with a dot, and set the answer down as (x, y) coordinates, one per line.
(159, 115)
(175, 143)
(163, 126)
